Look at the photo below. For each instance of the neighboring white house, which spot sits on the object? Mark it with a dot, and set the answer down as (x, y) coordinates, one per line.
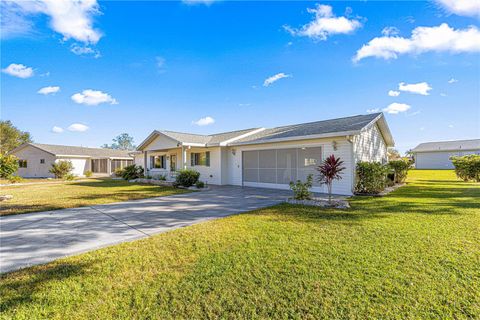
(436, 155)
(35, 159)
(269, 158)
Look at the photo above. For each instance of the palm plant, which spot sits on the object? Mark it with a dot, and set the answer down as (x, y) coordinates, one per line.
(330, 169)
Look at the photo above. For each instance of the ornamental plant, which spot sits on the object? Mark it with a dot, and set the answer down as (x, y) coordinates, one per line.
(400, 169)
(330, 170)
(61, 168)
(467, 167)
(187, 178)
(371, 177)
(8, 166)
(301, 190)
(132, 172)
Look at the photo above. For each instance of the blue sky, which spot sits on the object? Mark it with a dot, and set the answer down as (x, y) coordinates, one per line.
(203, 67)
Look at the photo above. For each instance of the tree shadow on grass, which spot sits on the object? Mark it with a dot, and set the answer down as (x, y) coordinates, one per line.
(19, 288)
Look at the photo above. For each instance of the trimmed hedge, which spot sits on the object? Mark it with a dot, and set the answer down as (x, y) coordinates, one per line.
(187, 178)
(400, 169)
(371, 177)
(467, 167)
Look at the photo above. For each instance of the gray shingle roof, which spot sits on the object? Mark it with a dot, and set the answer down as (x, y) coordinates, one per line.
(205, 139)
(81, 151)
(353, 123)
(473, 144)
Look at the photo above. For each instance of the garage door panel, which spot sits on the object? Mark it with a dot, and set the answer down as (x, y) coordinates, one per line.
(250, 159)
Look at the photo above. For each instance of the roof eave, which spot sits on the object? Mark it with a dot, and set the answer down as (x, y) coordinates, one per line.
(308, 137)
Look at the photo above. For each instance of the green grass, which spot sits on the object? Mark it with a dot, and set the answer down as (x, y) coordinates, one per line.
(42, 197)
(413, 254)
(27, 180)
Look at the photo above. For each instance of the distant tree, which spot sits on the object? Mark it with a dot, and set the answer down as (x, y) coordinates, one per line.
(11, 137)
(123, 141)
(393, 154)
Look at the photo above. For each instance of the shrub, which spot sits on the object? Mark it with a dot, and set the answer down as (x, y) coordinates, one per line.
(330, 169)
(400, 169)
(132, 172)
(61, 168)
(118, 172)
(88, 173)
(467, 167)
(301, 190)
(15, 179)
(8, 166)
(69, 177)
(371, 177)
(162, 177)
(200, 184)
(187, 177)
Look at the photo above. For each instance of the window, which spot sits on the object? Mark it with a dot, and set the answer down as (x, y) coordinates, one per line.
(158, 162)
(42, 161)
(22, 163)
(120, 164)
(200, 159)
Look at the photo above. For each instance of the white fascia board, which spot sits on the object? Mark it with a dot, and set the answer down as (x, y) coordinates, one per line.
(193, 144)
(309, 137)
(226, 142)
(71, 156)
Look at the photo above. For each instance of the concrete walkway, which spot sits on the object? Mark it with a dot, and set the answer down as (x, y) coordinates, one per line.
(36, 238)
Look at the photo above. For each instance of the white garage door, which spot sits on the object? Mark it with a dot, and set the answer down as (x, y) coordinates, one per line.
(277, 167)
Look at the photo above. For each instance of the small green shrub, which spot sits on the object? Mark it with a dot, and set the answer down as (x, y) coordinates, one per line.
(15, 179)
(8, 166)
(467, 167)
(88, 173)
(69, 177)
(200, 184)
(301, 190)
(132, 172)
(61, 168)
(118, 172)
(371, 177)
(187, 177)
(162, 177)
(400, 169)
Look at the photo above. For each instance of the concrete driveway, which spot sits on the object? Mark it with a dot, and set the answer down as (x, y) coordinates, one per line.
(36, 238)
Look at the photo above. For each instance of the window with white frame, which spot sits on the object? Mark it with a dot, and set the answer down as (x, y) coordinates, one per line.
(158, 162)
(22, 163)
(200, 159)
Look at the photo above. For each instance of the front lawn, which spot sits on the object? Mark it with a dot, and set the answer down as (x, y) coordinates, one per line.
(51, 196)
(412, 254)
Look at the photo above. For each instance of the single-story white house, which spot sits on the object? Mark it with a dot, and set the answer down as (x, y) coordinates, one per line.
(269, 158)
(436, 155)
(36, 159)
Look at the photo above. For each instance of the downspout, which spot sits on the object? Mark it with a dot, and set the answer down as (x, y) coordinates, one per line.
(354, 164)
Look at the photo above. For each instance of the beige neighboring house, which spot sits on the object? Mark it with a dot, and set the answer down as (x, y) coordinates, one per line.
(269, 157)
(36, 159)
(436, 155)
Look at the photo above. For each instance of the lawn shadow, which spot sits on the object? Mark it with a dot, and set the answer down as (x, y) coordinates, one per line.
(19, 289)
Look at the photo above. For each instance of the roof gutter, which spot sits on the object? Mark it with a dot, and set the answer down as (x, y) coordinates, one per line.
(309, 137)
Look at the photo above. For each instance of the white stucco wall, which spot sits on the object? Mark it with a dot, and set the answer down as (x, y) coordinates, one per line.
(369, 145)
(213, 173)
(343, 151)
(439, 159)
(35, 169)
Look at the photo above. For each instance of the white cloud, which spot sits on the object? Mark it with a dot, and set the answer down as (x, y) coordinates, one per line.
(77, 127)
(451, 126)
(395, 108)
(325, 24)
(452, 80)
(13, 22)
(49, 90)
(84, 50)
(469, 8)
(194, 2)
(390, 31)
(424, 39)
(393, 93)
(274, 78)
(419, 88)
(204, 121)
(56, 129)
(93, 97)
(72, 19)
(443, 94)
(18, 70)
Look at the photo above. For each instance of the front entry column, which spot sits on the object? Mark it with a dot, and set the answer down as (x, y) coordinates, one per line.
(145, 162)
(184, 157)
